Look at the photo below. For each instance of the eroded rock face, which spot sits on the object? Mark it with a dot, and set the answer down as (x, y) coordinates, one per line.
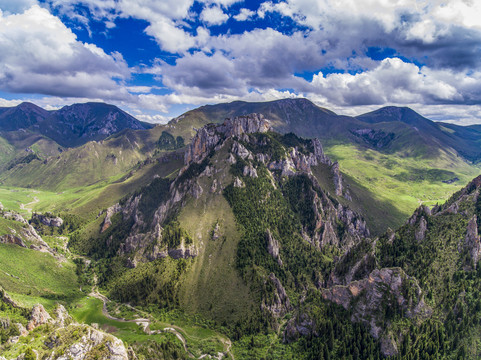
(203, 142)
(472, 242)
(420, 232)
(38, 317)
(247, 124)
(12, 239)
(212, 135)
(377, 298)
(108, 216)
(337, 179)
(278, 304)
(273, 247)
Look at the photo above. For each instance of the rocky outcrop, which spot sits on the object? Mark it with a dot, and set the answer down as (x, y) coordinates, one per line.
(63, 339)
(273, 247)
(238, 183)
(296, 162)
(240, 150)
(39, 316)
(421, 211)
(47, 220)
(472, 242)
(420, 232)
(300, 325)
(203, 142)
(11, 215)
(216, 232)
(337, 178)
(62, 317)
(12, 239)
(108, 216)
(376, 299)
(249, 170)
(183, 252)
(247, 124)
(278, 303)
(196, 190)
(115, 349)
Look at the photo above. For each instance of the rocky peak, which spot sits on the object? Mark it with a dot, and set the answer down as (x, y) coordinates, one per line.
(211, 135)
(247, 124)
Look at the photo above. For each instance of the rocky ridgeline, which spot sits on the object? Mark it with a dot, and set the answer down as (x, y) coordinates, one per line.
(461, 203)
(234, 135)
(212, 137)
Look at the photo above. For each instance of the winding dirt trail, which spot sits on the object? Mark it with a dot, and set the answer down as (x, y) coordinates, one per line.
(24, 206)
(145, 323)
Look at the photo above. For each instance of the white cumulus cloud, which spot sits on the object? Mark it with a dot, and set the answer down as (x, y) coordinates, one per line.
(213, 15)
(39, 54)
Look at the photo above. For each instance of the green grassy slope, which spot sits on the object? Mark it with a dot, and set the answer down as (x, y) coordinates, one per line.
(402, 183)
(85, 165)
(213, 272)
(31, 277)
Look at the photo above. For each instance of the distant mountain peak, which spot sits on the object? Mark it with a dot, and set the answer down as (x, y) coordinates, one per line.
(71, 125)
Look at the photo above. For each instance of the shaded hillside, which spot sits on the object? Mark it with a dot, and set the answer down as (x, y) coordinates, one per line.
(22, 116)
(71, 125)
(299, 116)
(465, 140)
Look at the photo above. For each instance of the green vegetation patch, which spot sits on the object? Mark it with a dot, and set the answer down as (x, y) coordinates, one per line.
(33, 276)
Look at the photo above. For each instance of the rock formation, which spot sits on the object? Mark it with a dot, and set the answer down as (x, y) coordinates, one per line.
(273, 247)
(472, 242)
(38, 317)
(47, 220)
(377, 298)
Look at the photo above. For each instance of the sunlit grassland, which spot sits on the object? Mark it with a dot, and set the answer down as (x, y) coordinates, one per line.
(405, 182)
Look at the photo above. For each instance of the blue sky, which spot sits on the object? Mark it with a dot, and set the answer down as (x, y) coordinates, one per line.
(158, 59)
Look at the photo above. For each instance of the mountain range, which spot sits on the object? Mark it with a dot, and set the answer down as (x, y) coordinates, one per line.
(275, 230)
(377, 151)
